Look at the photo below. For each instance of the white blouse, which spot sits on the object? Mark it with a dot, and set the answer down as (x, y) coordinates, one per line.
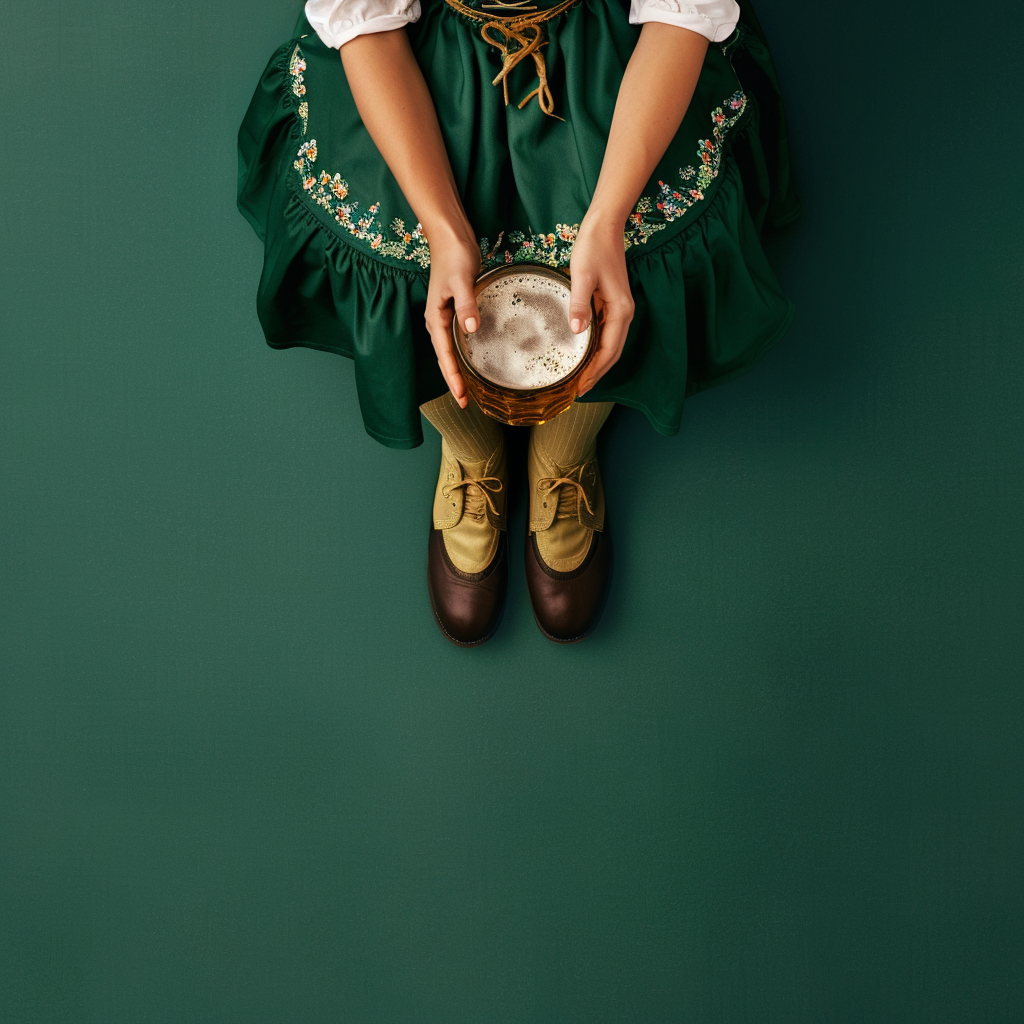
(338, 21)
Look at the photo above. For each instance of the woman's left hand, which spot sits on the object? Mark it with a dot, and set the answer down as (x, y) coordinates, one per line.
(598, 268)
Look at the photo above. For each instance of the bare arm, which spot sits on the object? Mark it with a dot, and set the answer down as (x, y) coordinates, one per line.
(393, 100)
(395, 105)
(666, 63)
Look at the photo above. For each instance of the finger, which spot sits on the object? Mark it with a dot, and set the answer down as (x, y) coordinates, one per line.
(440, 315)
(453, 378)
(438, 318)
(466, 308)
(440, 338)
(613, 339)
(582, 286)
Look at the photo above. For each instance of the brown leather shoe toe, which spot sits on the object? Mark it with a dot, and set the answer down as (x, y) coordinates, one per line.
(467, 606)
(567, 605)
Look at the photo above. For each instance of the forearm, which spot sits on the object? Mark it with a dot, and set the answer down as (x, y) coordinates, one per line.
(396, 107)
(666, 64)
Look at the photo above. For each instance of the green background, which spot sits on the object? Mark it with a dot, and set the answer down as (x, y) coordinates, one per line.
(244, 777)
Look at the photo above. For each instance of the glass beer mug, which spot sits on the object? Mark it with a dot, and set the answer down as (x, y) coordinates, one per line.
(523, 364)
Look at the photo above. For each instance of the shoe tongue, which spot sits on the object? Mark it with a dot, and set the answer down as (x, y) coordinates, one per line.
(568, 502)
(474, 503)
(568, 496)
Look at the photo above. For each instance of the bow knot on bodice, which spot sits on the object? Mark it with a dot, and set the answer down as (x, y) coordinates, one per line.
(528, 38)
(517, 35)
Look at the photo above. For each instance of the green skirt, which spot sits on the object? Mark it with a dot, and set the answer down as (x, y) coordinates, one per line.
(346, 267)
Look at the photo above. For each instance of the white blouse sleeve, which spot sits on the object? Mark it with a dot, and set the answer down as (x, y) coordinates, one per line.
(715, 19)
(338, 21)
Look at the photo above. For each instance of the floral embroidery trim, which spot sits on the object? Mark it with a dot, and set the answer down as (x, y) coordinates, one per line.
(673, 204)
(330, 192)
(650, 215)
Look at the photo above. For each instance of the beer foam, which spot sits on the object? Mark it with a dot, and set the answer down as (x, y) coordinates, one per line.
(524, 339)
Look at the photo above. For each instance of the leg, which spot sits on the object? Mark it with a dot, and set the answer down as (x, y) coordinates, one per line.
(567, 550)
(467, 566)
(565, 514)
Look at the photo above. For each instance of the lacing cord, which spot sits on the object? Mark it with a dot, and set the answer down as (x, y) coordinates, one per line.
(547, 484)
(484, 486)
(525, 30)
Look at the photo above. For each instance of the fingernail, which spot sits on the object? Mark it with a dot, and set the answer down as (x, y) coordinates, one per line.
(576, 325)
(471, 324)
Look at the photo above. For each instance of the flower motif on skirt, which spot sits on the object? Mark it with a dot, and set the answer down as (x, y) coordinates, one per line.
(652, 213)
(328, 192)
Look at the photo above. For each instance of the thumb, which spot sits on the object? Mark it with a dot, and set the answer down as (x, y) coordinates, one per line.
(466, 308)
(582, 290)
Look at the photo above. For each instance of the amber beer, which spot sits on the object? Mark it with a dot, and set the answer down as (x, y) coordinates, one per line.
(523, 364)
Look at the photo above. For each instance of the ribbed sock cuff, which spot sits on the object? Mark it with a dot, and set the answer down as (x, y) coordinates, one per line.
(469, 435)
(571, 437)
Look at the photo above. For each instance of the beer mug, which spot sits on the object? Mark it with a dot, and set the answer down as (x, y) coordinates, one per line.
(523, 364)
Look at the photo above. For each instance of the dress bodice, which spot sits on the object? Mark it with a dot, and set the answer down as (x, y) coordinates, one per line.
(337, 22)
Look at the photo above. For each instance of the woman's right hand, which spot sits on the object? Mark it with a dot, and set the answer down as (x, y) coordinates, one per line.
(454, 267)
(398, 111)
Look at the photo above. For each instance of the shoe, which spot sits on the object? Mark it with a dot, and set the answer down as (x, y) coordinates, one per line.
(568, 552)
(467, 551)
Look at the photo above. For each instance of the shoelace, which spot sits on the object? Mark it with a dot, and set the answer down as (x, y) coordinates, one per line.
(521, 24)
(477, 488)
(547, 484)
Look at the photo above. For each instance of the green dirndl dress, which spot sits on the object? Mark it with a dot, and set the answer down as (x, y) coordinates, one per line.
(346, 266)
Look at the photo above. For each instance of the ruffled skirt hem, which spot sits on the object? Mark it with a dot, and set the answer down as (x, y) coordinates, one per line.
(708, 304)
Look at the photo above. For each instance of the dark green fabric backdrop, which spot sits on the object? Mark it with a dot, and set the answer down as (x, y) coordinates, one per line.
(245, 779)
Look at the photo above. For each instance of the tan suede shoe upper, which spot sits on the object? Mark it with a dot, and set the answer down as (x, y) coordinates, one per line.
(470, 508)
(566, 508)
